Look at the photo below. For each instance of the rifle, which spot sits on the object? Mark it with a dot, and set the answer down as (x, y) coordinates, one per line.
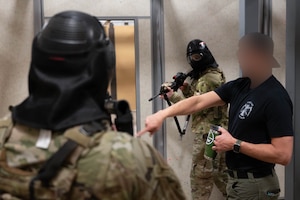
(179, 79)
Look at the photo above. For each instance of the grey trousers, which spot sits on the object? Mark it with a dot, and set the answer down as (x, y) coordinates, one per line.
(266, 188)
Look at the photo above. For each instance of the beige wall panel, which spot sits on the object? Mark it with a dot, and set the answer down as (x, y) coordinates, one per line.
(16, 36)
(145, 80)
(215, 22)
(100, 7)
(279, 29)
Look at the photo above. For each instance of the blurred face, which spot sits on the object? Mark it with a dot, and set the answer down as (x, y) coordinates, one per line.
(252, 59)
(247, 57)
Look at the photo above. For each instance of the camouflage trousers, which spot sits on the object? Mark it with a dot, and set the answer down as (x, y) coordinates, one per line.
(205, 173)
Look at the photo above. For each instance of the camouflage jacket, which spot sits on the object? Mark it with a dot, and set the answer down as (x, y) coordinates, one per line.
(211, 79)
(108, 166)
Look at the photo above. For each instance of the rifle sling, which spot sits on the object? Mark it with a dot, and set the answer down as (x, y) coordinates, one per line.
(57, 160)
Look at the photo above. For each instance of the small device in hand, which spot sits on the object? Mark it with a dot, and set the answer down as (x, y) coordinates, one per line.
(209, 153)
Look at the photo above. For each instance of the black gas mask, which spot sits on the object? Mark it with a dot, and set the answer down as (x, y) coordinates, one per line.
(70, 70)
(199, 56)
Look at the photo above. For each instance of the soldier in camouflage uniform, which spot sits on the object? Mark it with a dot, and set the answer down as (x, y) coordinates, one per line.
(58, 144)
(206, 76)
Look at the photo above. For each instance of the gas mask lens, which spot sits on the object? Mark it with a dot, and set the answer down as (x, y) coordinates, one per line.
(195, 57)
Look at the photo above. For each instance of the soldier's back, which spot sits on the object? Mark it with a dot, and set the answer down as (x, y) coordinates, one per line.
(127, 168)
(107, 165)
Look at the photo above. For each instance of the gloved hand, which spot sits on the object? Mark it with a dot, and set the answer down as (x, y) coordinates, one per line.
(184, 86)
(166, 87)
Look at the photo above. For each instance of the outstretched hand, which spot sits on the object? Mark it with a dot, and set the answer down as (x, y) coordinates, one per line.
(152, 124)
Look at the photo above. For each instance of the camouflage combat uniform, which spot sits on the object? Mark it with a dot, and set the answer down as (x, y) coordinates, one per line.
(108, 166)
(204, 173)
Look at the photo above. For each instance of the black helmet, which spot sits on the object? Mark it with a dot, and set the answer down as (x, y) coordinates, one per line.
(71, 65)
(199, 56)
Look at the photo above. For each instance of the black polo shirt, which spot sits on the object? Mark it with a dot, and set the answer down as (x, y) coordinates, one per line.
(255, 116)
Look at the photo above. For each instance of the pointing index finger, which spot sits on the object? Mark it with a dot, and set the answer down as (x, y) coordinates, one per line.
(142, 132)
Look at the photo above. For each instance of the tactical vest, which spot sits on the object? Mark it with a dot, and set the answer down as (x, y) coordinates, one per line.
(202, 120)
(17, 173)
(217, 115)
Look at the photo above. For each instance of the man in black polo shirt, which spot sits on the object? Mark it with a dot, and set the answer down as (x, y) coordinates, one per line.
(260, 132)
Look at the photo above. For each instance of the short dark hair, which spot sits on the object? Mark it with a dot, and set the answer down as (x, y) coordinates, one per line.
(260, 42)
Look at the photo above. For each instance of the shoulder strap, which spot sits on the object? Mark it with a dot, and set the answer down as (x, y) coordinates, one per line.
(57, 160)
(6, 126)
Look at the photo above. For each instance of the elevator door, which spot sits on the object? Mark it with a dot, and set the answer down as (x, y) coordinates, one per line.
(124, 84)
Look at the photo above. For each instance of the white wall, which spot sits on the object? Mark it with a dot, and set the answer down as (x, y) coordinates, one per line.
(279, 34)
(99, 7)
(16, 35)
